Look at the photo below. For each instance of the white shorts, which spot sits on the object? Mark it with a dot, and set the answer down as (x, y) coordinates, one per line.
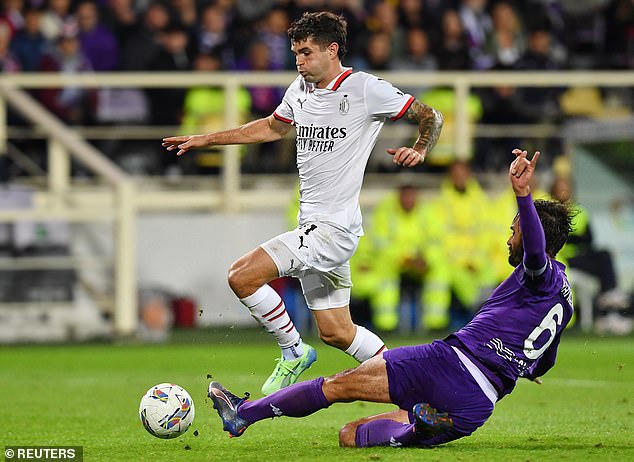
(317, 254)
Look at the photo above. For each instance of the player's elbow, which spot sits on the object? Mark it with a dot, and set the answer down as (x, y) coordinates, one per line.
(347, 435)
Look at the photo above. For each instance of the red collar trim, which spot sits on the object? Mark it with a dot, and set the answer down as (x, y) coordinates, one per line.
(340, 79)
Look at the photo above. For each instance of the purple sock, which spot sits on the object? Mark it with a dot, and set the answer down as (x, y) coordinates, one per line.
(298, 400)
(384, 432)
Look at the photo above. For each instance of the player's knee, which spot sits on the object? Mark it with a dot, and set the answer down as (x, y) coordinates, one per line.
(236, 280)
(347, 435)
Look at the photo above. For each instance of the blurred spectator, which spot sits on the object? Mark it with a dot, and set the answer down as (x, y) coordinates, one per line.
(377, 55)
(186, 13)
(74, 105)
(409, 265)
(478, 28)
(540, 103)
(29, 44)
(384, 19)
(141, 48)
(541, 53)
(507, 42)
(272, 31)
(419, 57)
(120, 17)
(453, 50)
(501, 105)
(585, 32)
(56, 17)
(212, 35)
(97, 42)
(204, 111)
(444, 99)
(264, 100)
(166, 103)
(12, 15)
(267, 157)
(580, 252)
(411, 14)
(250, 10)
(7, 62)
(461, 211)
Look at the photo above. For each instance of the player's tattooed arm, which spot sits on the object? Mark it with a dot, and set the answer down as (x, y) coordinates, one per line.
(429, 122)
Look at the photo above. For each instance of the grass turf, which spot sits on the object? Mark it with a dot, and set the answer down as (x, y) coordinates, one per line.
(89, 394)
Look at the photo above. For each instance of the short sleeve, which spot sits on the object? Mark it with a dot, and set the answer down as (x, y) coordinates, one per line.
(385, 100)
(284, 112)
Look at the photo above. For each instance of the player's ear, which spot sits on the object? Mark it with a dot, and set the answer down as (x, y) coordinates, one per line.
(333, 49)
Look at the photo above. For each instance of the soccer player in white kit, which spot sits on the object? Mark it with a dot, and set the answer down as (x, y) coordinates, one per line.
(337, 115)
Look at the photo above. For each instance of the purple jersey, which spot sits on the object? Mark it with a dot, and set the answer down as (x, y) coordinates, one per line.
(517, 330)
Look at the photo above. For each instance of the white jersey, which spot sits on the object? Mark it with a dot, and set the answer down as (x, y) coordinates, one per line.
(337, 128)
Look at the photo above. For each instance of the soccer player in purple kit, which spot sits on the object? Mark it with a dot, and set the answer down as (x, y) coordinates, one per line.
(447, 389)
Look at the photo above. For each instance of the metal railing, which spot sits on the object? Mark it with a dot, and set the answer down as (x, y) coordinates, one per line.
(124, 199)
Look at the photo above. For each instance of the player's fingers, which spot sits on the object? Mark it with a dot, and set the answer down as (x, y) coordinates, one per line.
(534, 159)
(521, 166)
(513, 167)
(391, 151)
(399, 156)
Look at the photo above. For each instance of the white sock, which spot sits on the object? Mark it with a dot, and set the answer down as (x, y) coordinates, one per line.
(365, 345)
(267, 307)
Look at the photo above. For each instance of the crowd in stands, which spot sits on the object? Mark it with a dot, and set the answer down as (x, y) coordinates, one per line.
(73, 36)
(383, 34)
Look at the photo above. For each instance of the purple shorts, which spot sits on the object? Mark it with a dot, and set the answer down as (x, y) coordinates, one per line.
(433, 373)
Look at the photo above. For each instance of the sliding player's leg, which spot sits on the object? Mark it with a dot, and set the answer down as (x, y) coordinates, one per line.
(366, 382)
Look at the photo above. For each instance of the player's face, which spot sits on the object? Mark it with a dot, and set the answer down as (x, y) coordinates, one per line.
(516, 249)
(313, 62)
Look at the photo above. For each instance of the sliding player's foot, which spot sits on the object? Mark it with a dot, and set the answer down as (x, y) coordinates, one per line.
(430, 422)
(227, 405)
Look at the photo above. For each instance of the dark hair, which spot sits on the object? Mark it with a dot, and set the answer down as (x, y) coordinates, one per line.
(323, 27)
(556, 220)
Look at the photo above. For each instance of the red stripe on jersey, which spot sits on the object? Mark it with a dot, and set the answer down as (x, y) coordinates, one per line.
(380, 350)
(283, 119)
(405, 108)
(341, 78)
(274, 309)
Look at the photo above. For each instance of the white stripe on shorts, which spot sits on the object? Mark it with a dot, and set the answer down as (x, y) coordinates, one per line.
(480, 378)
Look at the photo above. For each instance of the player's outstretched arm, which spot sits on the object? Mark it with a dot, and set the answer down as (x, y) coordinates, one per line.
(430, 123)
(521, 173)
(257, 131)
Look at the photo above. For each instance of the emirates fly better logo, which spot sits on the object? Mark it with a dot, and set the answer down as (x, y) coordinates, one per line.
(316, 138)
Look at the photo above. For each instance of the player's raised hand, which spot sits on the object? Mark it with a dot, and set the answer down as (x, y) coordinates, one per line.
(184, 143)
(407, 157)
(521, 172)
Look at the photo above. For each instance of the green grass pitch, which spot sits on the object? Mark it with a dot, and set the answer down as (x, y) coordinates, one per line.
(89, 394)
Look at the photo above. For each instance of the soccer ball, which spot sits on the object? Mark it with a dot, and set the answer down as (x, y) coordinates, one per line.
(166, 410)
